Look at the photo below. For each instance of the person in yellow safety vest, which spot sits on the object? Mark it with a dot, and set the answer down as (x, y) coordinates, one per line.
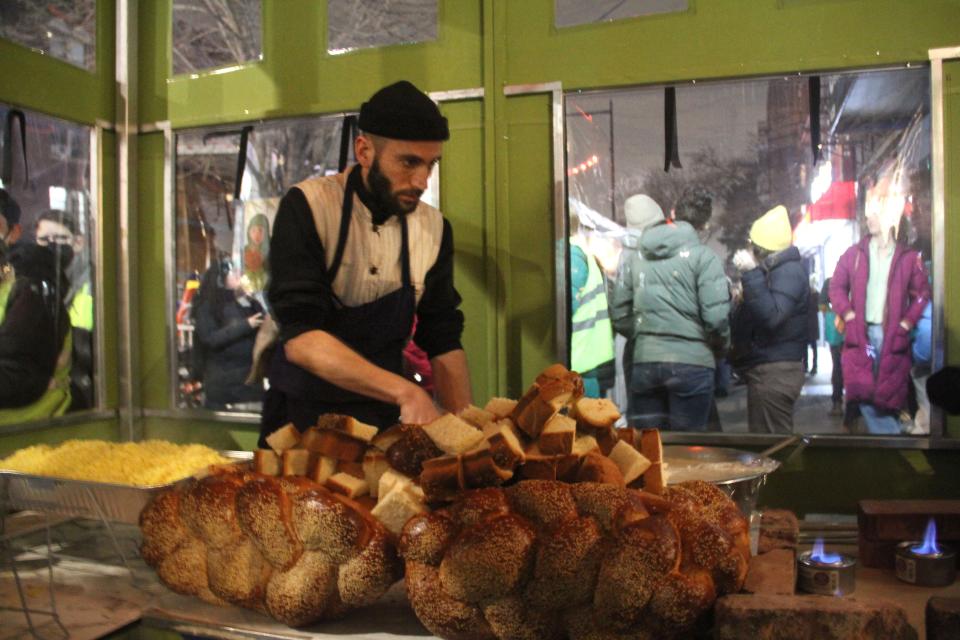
(35, 340)
(56, 227)
(591, 336)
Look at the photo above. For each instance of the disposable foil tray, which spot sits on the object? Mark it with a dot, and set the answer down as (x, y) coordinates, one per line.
(82, 498)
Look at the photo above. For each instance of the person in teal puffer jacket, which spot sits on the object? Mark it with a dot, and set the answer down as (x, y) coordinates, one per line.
(673, 301)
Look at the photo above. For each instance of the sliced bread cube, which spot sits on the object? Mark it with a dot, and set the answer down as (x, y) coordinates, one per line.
(286, 437)
(476, 416)
(396, 507)
(347, 485)
(594, 414)
(630, 461)
(558, 435)
(267, 462)
(374, 466)
(650, 445)
(584, 445)
(296, 462)
(452, 434)
(323, 468)
(500, 407)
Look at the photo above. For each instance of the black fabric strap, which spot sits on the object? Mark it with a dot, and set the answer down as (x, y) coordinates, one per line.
(241, 160)
(405, 252)
(7, 173)
(814, 91)
(671, 150)
(347, 134)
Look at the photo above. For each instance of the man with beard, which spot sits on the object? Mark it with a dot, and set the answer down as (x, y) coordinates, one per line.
(354, 257)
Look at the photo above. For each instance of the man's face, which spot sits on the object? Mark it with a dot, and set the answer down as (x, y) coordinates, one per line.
(51, 233)
(398, 171)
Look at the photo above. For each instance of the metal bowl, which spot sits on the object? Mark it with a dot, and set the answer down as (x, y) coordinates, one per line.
(739, 473)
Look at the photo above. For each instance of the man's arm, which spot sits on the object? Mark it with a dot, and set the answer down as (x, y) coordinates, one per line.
(451, 379)
(325, 356)
(439, 327)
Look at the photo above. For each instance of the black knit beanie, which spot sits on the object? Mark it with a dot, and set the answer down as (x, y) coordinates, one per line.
(403, 112)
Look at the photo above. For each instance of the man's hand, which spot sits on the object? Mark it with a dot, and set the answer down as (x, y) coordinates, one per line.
(255, 320)
(849, 315)
(744, 260)
(416, 406)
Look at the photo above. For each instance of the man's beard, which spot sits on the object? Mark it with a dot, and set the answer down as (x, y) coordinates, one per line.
(382, 190)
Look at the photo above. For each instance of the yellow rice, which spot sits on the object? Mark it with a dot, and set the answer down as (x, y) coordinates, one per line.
(147, 463)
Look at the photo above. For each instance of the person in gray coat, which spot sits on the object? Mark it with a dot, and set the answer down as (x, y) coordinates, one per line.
(673, 302)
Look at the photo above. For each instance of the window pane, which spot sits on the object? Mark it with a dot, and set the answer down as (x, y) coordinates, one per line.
(64, 29)
(52, 355)
(222, 247)
(570, 13)
(747, 146)
(215, 33)
(360, 24)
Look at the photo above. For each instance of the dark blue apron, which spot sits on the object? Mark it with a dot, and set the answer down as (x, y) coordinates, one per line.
(378, 331)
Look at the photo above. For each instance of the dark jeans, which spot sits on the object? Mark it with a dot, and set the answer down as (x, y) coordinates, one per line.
(670, 396)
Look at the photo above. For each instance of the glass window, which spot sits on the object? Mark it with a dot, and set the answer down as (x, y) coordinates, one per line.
(361, 24)
(570, 13)
(64, 29)
(48, 229)
(209, 34)
(222, 248)
(744, 148)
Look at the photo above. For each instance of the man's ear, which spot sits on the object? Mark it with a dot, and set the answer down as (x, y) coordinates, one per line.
(364, 150)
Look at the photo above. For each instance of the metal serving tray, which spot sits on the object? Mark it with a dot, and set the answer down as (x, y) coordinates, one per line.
(82, 498)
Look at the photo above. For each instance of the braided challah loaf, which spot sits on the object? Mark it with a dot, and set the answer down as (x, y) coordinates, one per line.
(544, 559)
(283, 546)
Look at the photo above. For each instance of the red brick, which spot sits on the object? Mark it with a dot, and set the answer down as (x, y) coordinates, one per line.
(773, 573)
(943, 618)
(764, 617)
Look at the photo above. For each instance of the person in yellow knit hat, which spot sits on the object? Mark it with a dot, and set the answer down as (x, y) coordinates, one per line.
(770, 325)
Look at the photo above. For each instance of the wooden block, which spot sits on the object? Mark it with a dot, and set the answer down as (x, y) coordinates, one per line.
(772, 573)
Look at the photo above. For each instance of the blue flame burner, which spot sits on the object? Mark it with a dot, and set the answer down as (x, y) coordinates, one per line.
(924, 566)
(825, 574)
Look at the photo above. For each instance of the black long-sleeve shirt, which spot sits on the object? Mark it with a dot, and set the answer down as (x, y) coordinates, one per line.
(301, 291)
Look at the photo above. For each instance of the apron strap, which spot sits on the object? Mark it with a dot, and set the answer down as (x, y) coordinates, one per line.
(405, 252)
(346, 213)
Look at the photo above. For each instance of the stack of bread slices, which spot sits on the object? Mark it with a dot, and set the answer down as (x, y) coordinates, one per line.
(552, 433)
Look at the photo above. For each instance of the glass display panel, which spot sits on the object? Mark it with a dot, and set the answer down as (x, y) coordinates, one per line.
(361, 24)
(64, 29)
(222, 248)
(215, 33)
(745, 147)
(571, 13)
(47, 224)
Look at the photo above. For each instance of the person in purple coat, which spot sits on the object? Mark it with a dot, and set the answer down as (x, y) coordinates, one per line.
(880, 289)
